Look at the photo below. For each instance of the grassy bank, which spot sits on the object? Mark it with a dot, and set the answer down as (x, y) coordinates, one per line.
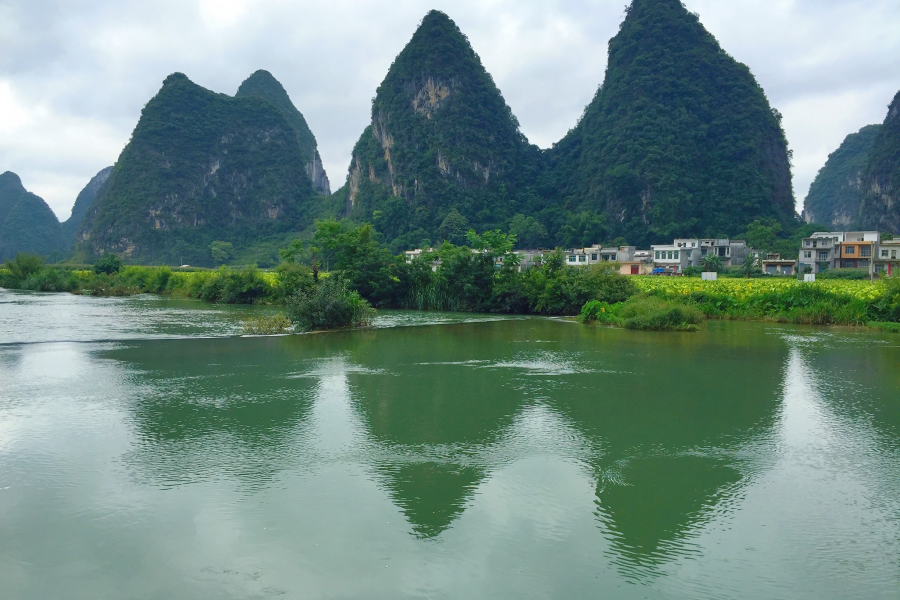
(831, 302)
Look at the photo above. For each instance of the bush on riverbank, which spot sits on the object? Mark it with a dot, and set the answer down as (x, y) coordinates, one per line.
(274, 325)
(646, 313)
(329, 304)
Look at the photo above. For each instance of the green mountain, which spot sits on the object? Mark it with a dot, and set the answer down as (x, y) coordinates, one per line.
(82, 203)
(202, 167)
(880, 203)
(263, 85)
(679, 140)
(441, 138)
(833, 197)
(27, 224)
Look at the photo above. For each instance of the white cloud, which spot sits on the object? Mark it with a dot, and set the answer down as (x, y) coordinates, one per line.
(74, 74)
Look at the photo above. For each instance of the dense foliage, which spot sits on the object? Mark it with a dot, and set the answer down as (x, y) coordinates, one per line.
(679, 140)
(27, 224)
(880, 203)
(442, 139)
(201, 167)
(834, 196)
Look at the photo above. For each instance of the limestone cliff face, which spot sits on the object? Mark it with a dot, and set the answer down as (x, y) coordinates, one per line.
(200, 167)
(263, 85)
(880, 202)
(441, 138)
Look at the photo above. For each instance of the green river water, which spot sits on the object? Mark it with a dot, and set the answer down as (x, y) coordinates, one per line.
(149, 451)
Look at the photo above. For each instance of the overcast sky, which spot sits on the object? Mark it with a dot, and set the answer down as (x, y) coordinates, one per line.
(74, 74)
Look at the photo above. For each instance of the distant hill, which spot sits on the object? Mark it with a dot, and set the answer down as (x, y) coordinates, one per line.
(27, 224)
(82, 203)
(263, 85)
(679, 140)
(834, 195)
(201, 167)
(442, 144)
(880, 201)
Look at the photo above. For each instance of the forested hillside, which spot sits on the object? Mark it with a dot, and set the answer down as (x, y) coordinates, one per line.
(834, 196)
(200, 168)
(82, 204)
(679, 140)
(263, 85)
(27, 224)
(880, 203)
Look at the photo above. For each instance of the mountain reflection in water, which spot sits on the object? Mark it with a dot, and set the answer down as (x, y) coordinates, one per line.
(526, 458)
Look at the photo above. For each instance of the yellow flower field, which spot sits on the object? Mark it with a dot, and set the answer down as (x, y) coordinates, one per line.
(743, 289)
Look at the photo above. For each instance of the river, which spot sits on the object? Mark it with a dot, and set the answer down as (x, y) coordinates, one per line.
(147, 450)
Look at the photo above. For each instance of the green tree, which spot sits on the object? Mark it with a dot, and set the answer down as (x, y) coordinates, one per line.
(530, 232)
(712, 263)
(221, 251)
(109, 264)
(24, 265)
(454, 227)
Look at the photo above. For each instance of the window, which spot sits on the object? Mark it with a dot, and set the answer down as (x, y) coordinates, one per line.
(593, 257)
(865, 251)
(808, 242)
(572, 258)
(849, 249)
(823, 256)
(884, 254)
(582, 258)
(807, 255)
(676, 256)
(693, 244)
(670, 256)
(657, 255)
(893, 254)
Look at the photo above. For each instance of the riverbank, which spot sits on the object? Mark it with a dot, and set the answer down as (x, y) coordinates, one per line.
(827, 302)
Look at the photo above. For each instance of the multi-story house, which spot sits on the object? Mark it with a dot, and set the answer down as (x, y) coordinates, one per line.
(670, 256)
(820, 251)
(887, 259)
(857, 249)
(582, 257)
(732, 252)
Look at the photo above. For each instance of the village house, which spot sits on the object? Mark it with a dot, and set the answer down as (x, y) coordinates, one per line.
(887, 260)
(773, 264)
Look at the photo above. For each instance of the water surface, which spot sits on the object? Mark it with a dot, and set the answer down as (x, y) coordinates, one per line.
(148, 452)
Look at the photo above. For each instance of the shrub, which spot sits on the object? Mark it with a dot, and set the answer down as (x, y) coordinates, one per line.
(330, 304)
(234, 287)
(597, 311)
(23, 266)
(273, 325)
(51, 280)
(109, 264)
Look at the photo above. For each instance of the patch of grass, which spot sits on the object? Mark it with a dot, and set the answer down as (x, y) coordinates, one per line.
(646, 313)
(273, 325)
(885, 326)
